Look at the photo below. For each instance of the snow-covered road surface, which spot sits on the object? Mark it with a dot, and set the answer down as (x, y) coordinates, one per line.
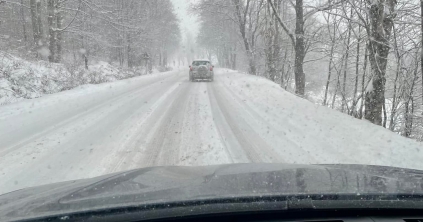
(164, 119)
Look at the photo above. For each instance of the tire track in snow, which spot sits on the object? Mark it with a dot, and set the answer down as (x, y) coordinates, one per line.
(69, 120)
(227, 135)
(201, 143)
(277, 142)
(248, 140)
(88, 124)
(164, 128)
(285, 133)
(146, 128)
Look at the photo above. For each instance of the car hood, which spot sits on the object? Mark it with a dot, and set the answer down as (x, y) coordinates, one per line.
(178, 184)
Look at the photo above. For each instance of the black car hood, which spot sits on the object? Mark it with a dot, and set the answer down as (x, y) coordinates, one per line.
(178, 184)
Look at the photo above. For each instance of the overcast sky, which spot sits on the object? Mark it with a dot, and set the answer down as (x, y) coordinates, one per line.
(187, 21)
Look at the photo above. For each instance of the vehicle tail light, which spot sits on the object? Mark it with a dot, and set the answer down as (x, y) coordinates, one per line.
(190, 68)
(211, 68)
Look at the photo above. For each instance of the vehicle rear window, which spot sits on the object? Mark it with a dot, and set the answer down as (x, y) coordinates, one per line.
(199, 63)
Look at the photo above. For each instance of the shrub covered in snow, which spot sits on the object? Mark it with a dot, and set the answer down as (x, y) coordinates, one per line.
(99, 73)
(21, 79)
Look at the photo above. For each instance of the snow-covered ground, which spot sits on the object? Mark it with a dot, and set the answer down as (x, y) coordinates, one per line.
(164, 119)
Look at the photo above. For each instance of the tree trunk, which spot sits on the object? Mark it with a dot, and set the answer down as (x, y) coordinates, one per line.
(252, 64)
(384, 114)
(234, 59)
(35, 28)
(85, 54)
(165, 58)
(332, 48)
(394, 97)
(299, 49)
(272, 41)
(86, 61)
(40, 22)
(409, 113)
(284, 63)
(276, 42)
(380, 32)
(329, 71)
(129, 50)
(363, 80)
(357, 60)
(74, 51)
(298, 42)
(375, 98)
(269, 41)
(51, 28)
(242, 28)
(23, 21)
(59, 23)
(338, 84)
(408, 120)
(347, 53)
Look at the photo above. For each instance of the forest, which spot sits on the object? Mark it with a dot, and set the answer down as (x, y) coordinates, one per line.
(127, 33)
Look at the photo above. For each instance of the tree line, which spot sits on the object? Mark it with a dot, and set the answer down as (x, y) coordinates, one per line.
(361, 57)
(125, 32)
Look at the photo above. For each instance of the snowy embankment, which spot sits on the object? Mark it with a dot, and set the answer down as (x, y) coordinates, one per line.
(310, 133)
(21, 79)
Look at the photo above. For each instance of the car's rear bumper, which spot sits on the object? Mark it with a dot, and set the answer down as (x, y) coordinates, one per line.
(199, 76)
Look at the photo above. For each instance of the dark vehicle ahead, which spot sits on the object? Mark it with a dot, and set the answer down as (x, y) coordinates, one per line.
(201, 69)
(247, 192)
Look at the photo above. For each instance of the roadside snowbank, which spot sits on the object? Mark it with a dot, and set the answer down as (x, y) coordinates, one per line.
(21, 79)
(304, 132)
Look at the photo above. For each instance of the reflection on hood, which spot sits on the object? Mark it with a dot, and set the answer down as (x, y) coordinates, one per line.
(178, 184)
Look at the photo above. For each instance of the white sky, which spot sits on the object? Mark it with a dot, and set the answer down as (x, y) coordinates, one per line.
(187, 20)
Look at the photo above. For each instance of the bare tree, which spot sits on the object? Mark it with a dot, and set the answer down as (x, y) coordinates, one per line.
(37, 28)
(23, 21)
(59, 26)
(243, 13)
(381, 13)
(51, 30)
(331, 28)
(298, 42)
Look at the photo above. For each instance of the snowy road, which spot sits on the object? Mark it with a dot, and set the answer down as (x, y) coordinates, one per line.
(164, 119)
